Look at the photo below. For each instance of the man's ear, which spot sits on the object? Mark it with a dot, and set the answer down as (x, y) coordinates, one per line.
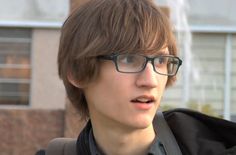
(73, 81)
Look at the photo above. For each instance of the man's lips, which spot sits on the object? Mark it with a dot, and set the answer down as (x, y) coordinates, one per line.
(143, 99)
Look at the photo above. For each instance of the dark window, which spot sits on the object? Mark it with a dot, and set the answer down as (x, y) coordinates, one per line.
(15, 66)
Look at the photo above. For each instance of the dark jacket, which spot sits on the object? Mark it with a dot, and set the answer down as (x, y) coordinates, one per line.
(195, 133)
(199, 134)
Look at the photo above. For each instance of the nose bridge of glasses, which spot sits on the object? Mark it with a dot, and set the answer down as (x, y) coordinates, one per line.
(149, 59)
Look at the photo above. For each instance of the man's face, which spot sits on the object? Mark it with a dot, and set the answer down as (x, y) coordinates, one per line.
(127, 99)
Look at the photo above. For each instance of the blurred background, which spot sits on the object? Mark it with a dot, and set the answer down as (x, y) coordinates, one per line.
(33, 105)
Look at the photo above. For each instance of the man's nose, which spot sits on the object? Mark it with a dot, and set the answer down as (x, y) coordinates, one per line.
(148, 77)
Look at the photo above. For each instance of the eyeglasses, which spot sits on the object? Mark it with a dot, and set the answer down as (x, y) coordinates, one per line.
(134, 63)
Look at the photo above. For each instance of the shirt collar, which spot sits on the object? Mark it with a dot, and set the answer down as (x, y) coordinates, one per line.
(156, 147)
(93, 146)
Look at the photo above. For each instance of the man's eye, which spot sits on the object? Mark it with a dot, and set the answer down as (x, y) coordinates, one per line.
(162, 60)
(127, 59)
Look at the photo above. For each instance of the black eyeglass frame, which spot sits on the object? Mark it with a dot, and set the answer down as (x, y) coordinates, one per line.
(113, 57)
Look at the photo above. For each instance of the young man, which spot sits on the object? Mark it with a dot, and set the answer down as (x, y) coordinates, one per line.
(116, 58)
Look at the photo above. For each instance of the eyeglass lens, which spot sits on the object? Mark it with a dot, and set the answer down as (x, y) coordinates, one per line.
(131, 63)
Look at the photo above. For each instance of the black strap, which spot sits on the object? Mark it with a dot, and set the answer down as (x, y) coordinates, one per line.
(165, 135)
(62, 146)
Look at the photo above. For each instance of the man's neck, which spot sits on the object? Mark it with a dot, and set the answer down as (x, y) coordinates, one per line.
(118, 141)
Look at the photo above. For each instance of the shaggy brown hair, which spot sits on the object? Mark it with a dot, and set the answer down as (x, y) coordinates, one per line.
(101, 27)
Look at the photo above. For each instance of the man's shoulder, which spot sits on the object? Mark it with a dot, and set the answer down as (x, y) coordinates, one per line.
(199, 133)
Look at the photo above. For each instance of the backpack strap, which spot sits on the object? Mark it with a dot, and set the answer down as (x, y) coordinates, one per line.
(165, 135)
(62, 146)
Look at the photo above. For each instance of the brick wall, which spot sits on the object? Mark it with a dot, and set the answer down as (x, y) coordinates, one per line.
(23, 132)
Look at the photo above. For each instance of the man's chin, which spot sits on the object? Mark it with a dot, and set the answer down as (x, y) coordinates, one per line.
(143, 122)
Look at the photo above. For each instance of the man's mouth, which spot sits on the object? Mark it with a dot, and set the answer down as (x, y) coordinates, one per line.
(142, 99)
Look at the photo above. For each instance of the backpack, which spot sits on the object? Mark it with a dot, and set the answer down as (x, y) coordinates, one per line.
(200, 134)
(67, 146)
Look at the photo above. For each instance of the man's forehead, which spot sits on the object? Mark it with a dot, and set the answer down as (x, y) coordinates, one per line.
(162, 51)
